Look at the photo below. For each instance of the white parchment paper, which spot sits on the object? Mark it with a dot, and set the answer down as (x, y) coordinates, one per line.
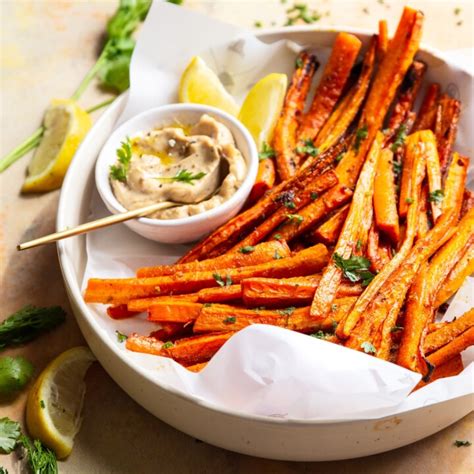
(262, 370)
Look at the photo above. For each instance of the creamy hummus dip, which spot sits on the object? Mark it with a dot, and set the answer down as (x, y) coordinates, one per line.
(198, 167)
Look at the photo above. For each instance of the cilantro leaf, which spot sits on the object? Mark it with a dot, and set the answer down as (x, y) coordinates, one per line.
(436, 196)
(354, 268)
(368, 348)
(167, 345)
(15, 373)
(124, 154)
(295, 218)
(121, 337)
(9, 434)
(400, 138)
(307, 149)
(247, 249)
(221, 282)
(267, 152)
(229, 320)
(361, 134)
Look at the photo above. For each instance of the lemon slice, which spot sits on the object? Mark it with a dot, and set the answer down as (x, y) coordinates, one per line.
(65, 125)
(262, 107)
(53, 409)
(200, 85)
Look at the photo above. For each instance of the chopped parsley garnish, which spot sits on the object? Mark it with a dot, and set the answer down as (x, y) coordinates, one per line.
(121, 337)
(167, 345)
(397, 168)
(359, 245)
(409, 200)
(207, 305)
(184, 176)
(354, 268)
(290, 205)
(42, 404)
(277, 236)
(229, 320)
(339, 157)
(313, 196)
(287, 311)
(307, 149)
(299, 63)
(321, 334)
(124, 154)
(462, 443)
(361, 134)
(396, 329)
(220, 281)
(258, 24)
(295, 217)
(436, 196)
(400, 138)
(276, 255)
(368, 348)
(267, 152)
(247, 249)
(301, 11)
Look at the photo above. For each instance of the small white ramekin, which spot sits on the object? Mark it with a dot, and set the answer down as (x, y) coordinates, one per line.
(187, 229)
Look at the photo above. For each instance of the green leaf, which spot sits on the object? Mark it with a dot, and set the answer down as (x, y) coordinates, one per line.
(436, 196)
(127, 17)
(229, 320)
(355, 268)
(299, 62)
(267, 152)
(28, 323)
(167, 345)
(368, 348)
(287, 311)
(41, 460)
(121, 337)
(361, 134)
(295, 218)
(9, 433)
(185, 176)
(307, 149)
(115, 73)
(221, 282)
(461, 443)
(15, 373)
(120, 169)
(400, 138)
(247, 249)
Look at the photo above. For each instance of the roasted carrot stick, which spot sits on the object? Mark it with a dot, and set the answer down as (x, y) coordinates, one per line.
(450, 368)
(383, 40)
(457, 175)
(197, 367)
(306, 262)
(386, 82)
(270, 292)
(378, 253)
(345, 113)
(332, 274)
(328, 233)
(144, 344)
(385, 197)
(423, 219)
(264, 181)
(420, 309)
(220, 295)
(284, 137)
(142, 304)
(174, 312)
(120, 312)
(336, 72)
(169, 331)
(450, 350)
(243, 257)
(434, 176)
(414, 155)
(226, 236)
(312, 213)
(468, 201)
(439, 338)
(463, 268)
(427, 114)
(446, 127)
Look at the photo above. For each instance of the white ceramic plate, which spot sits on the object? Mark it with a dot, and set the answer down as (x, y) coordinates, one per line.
(253, 435)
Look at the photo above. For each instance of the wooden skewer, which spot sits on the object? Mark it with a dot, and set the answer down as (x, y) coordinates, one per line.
(97, 224)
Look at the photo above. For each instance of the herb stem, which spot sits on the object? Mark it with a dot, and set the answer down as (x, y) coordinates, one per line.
(90, 74)
(101, 105)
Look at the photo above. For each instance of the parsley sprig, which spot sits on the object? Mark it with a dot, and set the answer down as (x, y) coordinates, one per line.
(185, 176)
(361, 135)
(221, 281)
(436, 196)
(307, 148)
(124, 154)
(267, 152)
(400, 138)
(301, 11)
(354, 268)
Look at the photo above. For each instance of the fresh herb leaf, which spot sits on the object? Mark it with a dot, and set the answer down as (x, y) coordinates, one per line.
(28, 323)
(339, 157)
(436, 196)
(354, 268)
(247, 249)
(457, 11)
(41, 459)
(321, 334)
(313, 196)
(301, 11)
(359, 245)
(220, 281)
(397, 168)
(257, 24)
(121, 337)
(9, 433)
(15, 373)
(460, 442)
(120, 169)
(299, 62)
(368, 348)
(409, 200)
(295, 218)
(400, 138)
(229, 320)
(267, 152)
(185, 176)
(361, 134)
(207, 305)
(290, 205)
(277, 236)
(307, 149)
(42, 404)
(287, 311)
(167, 345)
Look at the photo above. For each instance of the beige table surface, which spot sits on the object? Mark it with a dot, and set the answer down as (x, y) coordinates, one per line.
(45, 47)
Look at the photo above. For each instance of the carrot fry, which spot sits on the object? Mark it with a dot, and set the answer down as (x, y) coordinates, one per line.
(468, 201)
(314, 212)
(142, 304)
(423, 219)
(434, 176)
(446, 126)
(420, 309)
(264, 181)
(435, 326)
(427, 114)
(450, 368)
(463, 268)
(385, 197)
(144, 344)
(345, 113)
(328, 233)
(230, 233)
(383, 40)
(123, 290)
(242, 258)
(174, 312)
(220, 295)
(377, 253)
(169, 331)
(270, 292)
(120, 312)
(450, 350)
(387, 79)
(223, 317)
(197, 367)
(284, 136)
(336, 72)
(457, 175)
(415, 155)
(289, 212)
(439, 338)
(332, 274)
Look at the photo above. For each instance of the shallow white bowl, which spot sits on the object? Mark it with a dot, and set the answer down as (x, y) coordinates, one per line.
(187, 229)
(288, 439)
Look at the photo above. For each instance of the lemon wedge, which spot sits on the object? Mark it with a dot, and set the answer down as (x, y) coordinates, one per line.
(53, 409)
(200, 85)
(262, 107)
(66, 124)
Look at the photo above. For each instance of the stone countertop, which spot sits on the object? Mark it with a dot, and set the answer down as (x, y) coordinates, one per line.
(45, 47)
